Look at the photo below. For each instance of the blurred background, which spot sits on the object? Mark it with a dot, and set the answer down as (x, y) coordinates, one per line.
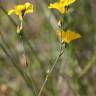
(75, 72)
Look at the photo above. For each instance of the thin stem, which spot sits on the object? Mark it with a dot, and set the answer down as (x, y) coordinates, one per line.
(35, 54)
(31, 47)
(25, 54)
(88, 67)
(20, 34)
(8, 16)
(24, 75)
(50, 71)
(24, 50)
(26, 78)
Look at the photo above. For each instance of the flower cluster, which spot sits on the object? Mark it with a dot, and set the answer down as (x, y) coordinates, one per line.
(22, 10)
(66, 36)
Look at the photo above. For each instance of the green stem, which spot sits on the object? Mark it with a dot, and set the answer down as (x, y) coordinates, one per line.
(35, 54)
(25, 54)
(21, 37)
(31, 47)
(8, 15)
(50, 71)
(24, 75)
(88, 67)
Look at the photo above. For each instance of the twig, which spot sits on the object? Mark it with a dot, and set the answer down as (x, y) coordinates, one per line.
(24, 75)
(50, 71)
(15, 64)
(88, 67)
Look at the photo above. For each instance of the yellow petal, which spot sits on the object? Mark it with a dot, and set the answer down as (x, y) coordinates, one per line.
(70, 2)
(67, 2)
(28, 11)
(57, 6)
(29, 8)
(54, 5)
(18, 9)
(10, 12)
(68, 36)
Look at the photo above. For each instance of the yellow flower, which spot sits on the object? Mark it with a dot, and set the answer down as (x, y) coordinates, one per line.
(57, 6)
(21, 10)
(68, 36)
(60, 6)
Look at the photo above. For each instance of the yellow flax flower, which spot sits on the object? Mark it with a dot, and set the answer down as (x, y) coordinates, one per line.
(68, 36)
(22, 10)
(60, 6)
